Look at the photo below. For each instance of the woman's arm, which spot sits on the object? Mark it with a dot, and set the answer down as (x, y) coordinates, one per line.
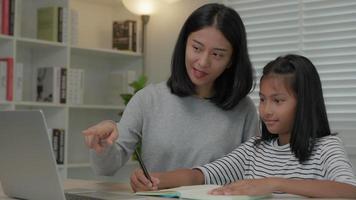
(163, 180)
(309, 188)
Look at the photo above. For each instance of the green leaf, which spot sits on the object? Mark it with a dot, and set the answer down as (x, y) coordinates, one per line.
(139, 83)
(126, 98)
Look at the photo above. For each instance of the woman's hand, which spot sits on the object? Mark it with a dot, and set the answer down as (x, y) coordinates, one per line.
(101, 135)
(139, 182)
(246, 187)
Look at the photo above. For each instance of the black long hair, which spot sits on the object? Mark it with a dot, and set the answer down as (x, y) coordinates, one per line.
(311, 120)
(237, 80)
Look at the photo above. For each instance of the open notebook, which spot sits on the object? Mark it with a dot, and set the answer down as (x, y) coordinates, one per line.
(197, 192)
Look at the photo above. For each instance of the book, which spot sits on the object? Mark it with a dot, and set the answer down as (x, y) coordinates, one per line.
(74, 17)
(75, 86)
(62, 24)
(11, 17)
(48, 80)
(61, 147)
(9, 77)
(3, 80)
(63, 86)
(197, 192)
(120, 36)
(5, 17)
(47, 23)
(55, 142)
(58, 144)
(125, 35)
(18, 82)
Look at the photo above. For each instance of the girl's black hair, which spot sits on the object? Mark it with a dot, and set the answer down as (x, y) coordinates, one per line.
(237, 80)
(311, 121)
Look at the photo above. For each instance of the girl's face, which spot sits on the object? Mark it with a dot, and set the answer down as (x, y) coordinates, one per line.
(207, 55)
(277, 106)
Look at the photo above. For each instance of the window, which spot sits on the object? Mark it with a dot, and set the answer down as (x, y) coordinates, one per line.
(322, 30)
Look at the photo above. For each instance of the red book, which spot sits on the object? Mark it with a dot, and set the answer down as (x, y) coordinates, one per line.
(5, 17)
(10, 78)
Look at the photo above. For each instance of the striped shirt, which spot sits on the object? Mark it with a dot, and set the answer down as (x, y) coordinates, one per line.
(328, 161)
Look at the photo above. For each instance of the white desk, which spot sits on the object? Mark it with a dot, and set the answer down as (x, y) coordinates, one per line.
(109, 186)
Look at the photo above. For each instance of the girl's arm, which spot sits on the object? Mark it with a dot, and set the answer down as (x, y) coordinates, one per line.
(309, 188)
(180, 177)
(315, 188)
(163, 180)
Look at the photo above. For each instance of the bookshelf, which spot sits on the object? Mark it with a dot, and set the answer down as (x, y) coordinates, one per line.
(91, 52)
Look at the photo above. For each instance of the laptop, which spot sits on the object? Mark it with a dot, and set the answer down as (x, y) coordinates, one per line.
(28, 169)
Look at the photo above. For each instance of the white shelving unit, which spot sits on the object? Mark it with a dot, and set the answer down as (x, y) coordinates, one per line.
(93, 53)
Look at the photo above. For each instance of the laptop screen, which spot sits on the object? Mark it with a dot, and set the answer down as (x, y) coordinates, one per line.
(28, 169)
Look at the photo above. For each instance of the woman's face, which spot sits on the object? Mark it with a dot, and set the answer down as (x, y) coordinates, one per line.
(207, 55)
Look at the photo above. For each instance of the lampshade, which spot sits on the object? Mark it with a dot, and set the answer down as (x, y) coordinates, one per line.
(142, 7)
(171, 1)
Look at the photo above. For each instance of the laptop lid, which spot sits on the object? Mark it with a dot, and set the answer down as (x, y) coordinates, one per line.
(28, 169)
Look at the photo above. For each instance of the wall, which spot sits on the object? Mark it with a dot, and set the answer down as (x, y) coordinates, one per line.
(162, 32)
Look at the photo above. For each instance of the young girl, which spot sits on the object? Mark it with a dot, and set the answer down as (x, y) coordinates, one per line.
(296, 153)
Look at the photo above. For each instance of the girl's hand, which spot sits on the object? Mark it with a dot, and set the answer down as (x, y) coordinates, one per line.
(246, 187)
(139, 182)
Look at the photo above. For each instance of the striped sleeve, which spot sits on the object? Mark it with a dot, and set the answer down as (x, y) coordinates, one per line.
(336, 162)
(229, 168)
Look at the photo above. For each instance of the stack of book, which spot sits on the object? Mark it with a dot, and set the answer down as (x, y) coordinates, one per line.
(51, 85)
(52, 24)
(125, 35)
(7, 16)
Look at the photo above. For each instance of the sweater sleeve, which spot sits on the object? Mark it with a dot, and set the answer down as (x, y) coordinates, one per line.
(130, 130)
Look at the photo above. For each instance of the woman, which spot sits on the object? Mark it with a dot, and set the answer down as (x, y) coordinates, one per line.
(201, 113)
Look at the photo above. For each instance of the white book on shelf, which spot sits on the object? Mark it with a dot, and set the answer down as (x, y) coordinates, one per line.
(18, 82)
(3, 80)
(48, 84)
(74, 27)
(75, 86)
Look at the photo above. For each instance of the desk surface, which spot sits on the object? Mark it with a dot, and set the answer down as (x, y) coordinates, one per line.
(109, 186)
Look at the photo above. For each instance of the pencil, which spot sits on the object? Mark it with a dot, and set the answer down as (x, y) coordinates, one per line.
(142, 165)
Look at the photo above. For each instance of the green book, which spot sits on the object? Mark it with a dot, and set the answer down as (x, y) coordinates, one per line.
(47, 23)
(197, 192)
